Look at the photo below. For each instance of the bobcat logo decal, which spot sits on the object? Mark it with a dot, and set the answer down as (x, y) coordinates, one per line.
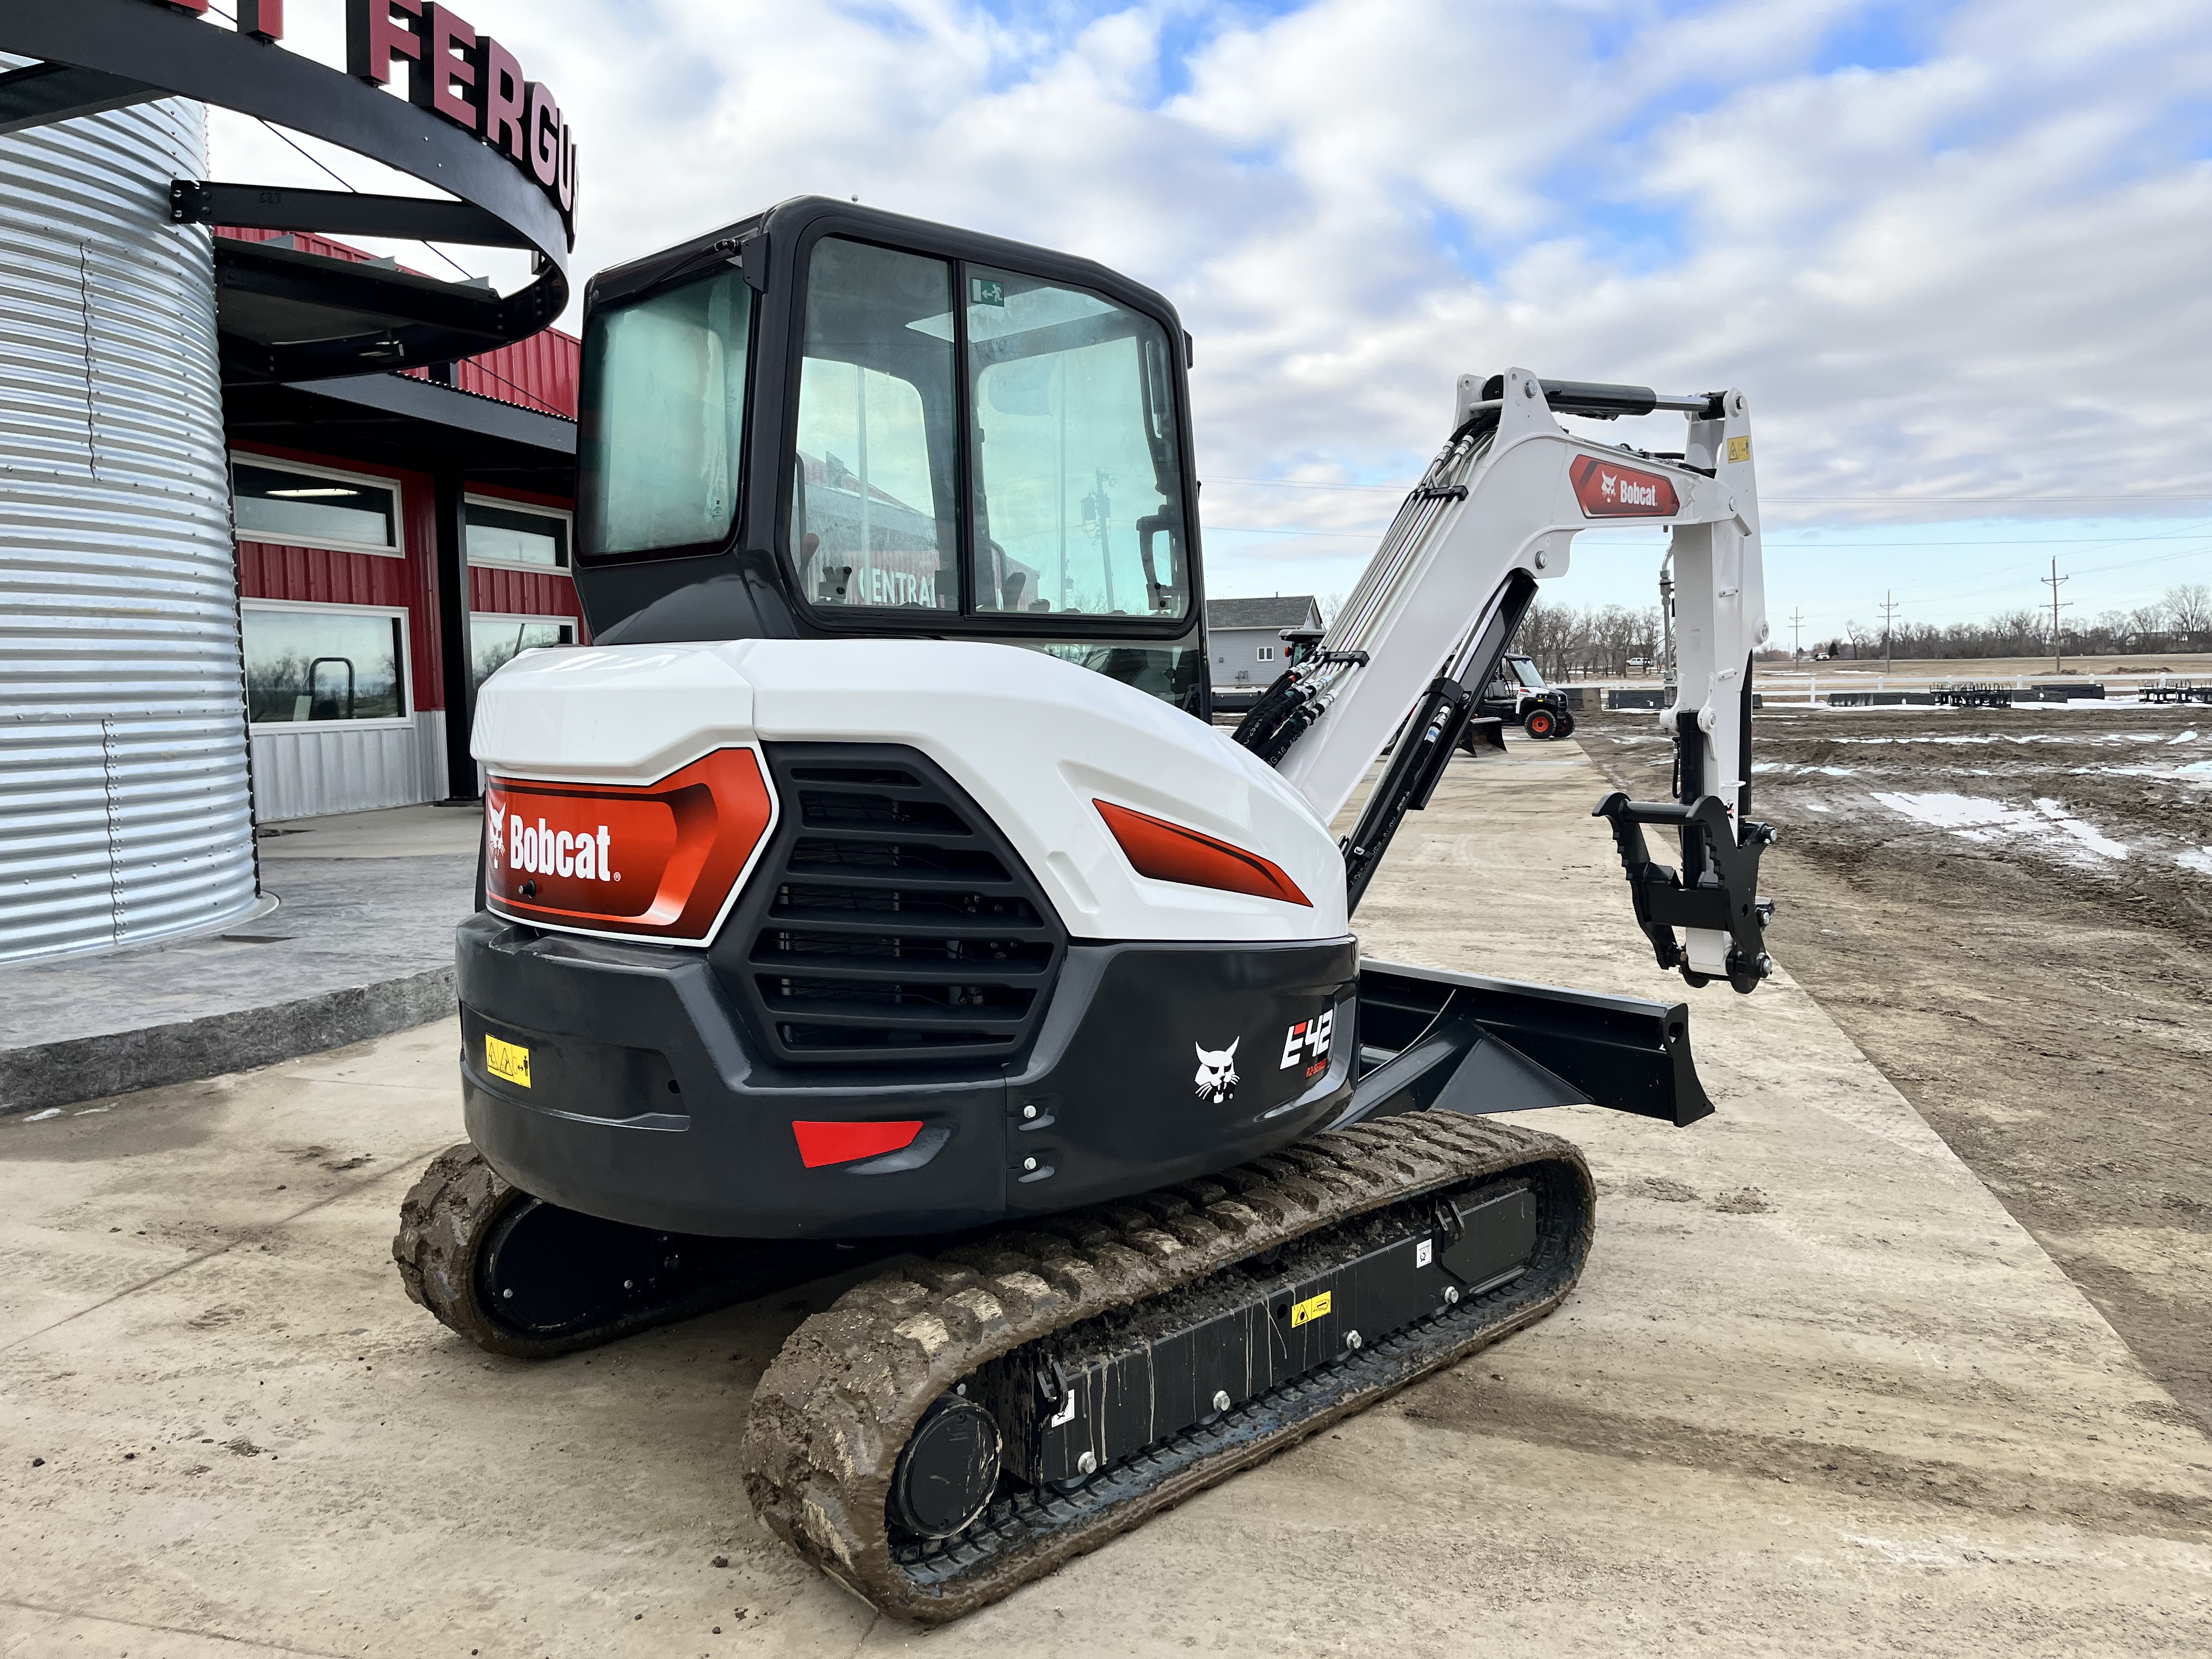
(1217, 1073)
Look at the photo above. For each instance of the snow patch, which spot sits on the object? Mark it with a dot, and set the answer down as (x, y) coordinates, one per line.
(2048, 828)
(2080, 831)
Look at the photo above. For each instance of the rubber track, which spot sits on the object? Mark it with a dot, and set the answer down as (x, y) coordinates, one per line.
(840, 1399)
(445, 1221)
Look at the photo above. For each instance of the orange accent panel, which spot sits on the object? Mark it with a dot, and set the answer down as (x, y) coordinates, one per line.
(655, 860)
(1168, 852)
(841, 1143)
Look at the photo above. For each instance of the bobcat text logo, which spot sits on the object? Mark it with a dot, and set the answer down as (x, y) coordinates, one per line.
(1217, 1073)
(1628, 492)
(1307, 1043)
(1608, 491)
(544, 852)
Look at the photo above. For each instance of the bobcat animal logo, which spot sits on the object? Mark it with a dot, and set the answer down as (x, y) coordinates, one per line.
(1217, 1073)
(496, 821)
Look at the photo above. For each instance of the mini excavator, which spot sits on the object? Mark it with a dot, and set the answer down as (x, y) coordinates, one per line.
(876, 887)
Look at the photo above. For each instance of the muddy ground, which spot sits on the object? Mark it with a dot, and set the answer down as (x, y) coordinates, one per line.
(2010, 911)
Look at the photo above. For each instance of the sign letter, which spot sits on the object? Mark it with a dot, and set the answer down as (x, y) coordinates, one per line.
(432, 86)
(503, 95)
(544, 135)
(374, 36)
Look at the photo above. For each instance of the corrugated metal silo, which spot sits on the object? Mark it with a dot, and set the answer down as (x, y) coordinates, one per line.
(125, 814)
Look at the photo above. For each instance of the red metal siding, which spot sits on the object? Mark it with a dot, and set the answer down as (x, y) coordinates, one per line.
(522, 593)
(305, 241)
(539, 373)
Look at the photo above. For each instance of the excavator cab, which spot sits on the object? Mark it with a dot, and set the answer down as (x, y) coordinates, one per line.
(828, 421)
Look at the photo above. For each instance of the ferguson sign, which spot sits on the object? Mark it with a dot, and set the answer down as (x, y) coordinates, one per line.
(468, 78)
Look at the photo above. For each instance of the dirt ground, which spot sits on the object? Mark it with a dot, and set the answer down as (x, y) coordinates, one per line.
(2010, 911)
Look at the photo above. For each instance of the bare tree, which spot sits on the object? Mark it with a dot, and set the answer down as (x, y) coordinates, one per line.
(2189, 608)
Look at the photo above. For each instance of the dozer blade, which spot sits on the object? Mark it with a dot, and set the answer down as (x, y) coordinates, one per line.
(951, 1429)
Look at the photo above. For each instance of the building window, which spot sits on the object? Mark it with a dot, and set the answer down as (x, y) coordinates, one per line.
(1267, 653)
(529, 538)
(301, 507)
(310, 666)
(496, 642)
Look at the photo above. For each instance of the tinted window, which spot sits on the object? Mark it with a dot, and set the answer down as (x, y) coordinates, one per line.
(872, 487)
(321, 665)
(1078, 468)
(1171, 673)
(274, 505)
(659, 453)
(505, 535)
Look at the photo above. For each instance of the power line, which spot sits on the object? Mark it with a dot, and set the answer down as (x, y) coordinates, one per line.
(1797, 633)
(1889, 609)
(2057, 652)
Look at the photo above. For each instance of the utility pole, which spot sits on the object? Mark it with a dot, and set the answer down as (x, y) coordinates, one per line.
(2052, 581)
(1888, 616)
(1796, 634)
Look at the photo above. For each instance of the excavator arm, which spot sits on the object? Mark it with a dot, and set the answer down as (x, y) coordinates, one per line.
(1497, 511)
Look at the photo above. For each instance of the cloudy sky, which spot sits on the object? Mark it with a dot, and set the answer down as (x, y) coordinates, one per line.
(1959, 256)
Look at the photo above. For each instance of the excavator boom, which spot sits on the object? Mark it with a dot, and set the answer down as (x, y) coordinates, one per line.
(1497, 511)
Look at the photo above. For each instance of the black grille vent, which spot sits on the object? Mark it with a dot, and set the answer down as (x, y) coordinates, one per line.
(889, 919)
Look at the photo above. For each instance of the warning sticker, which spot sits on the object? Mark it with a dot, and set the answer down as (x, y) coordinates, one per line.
(508, 1060)
(1739, 449)
(1313, 1308)
(1425, 1252)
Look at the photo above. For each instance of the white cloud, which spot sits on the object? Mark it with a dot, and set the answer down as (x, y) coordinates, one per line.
(1978, 273)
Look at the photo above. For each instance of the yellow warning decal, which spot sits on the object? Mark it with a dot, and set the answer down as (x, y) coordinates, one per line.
(1305, 1312)
(508, 1060)
(1739, 449)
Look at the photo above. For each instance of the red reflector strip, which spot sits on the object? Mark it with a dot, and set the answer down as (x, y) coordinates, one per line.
(1168, 852)
(840, 1143)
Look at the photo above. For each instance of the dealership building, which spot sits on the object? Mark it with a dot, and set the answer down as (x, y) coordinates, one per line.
(335, 496)
(270, 507)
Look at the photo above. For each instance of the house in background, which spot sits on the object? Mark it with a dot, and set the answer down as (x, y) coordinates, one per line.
(1244, 636)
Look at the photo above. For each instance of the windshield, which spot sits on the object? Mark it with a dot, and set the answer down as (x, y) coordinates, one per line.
(659, 460)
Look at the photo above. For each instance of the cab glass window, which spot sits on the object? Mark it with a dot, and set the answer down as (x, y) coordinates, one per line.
(1078, 463)
(659, 453)
(872, 516)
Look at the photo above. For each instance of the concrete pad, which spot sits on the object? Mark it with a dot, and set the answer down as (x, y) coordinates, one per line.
(393, 832)
(355, 946)
(1817, 1393)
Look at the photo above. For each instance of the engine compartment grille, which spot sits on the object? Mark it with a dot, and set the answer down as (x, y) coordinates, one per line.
(889, 919)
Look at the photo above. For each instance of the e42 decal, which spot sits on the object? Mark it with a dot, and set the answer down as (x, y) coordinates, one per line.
(1306, 1043)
